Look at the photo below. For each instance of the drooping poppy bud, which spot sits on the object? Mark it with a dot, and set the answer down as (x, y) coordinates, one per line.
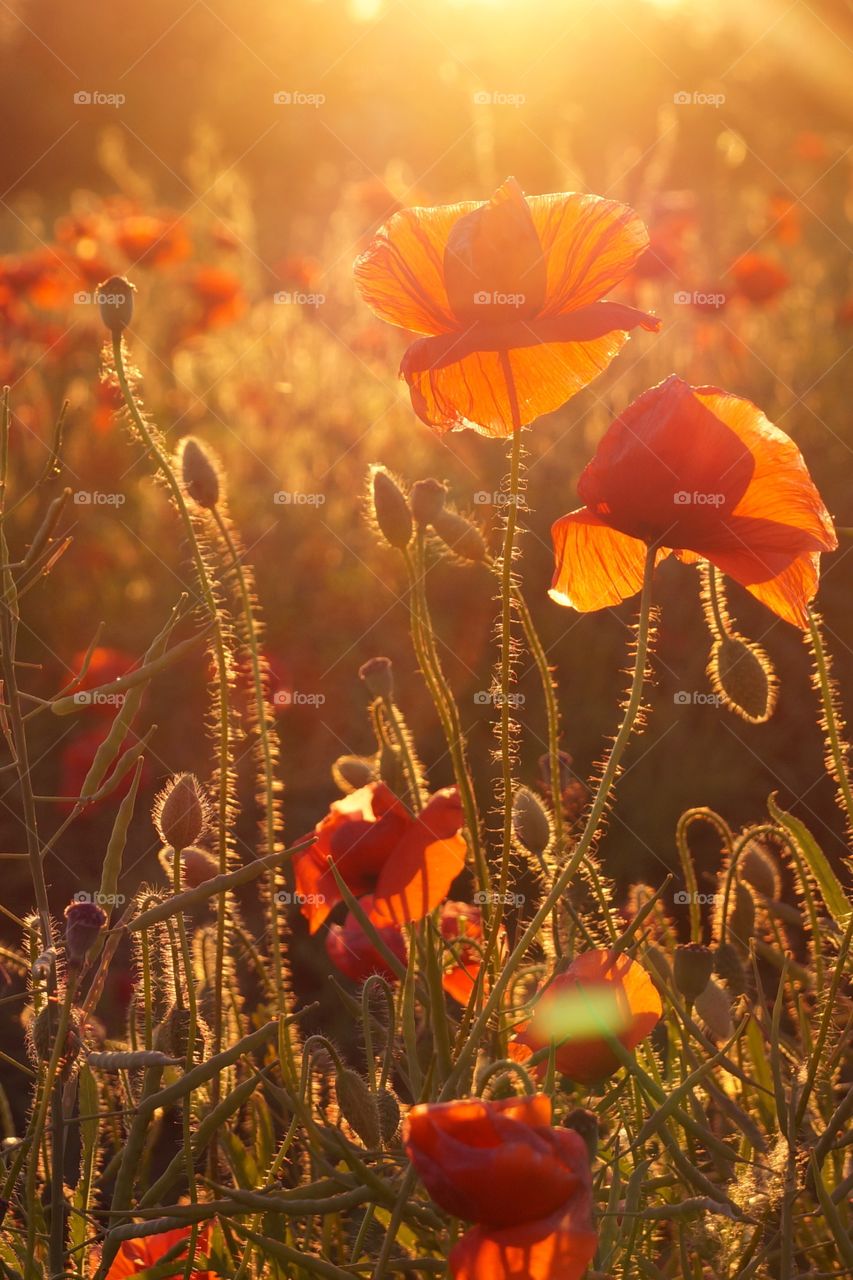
(358, 1107)
(199, 474)
(352, 772)
(389, 1114)
(115, 300)
(180, 812)
(427, 500)
(391, 510)
(530, 821)
(461, 536)
(378, 676)
(692, 966)
(83, 924)
(743, 678)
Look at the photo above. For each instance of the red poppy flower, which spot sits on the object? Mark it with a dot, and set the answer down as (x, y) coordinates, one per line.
(459, 923)
(526, 1186)
(509, 295)
(351, 951)
(408, 863)
(704, 474)
(147, 1251)
(153, 241)
(220, 296)
(758, 277)
(598, 988)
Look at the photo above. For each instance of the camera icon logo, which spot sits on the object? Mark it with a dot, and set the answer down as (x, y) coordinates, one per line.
(282, 99)
(82, 896)
(681, 498)
(482, 99)
(681, 698)
(82, 98)
(681, 897)
(682, 298)
(483, 298)
(681, 99)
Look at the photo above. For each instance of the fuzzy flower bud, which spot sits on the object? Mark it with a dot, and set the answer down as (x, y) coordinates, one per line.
(391, 510)
(742, 675)
(115, 300)
(83, 924)
(460, 535)
(199, 473)
(530, 821)
(692, 967)
(389, 1114)
(358, 1106)
(180, 812)
(352, 772)
(427, 500)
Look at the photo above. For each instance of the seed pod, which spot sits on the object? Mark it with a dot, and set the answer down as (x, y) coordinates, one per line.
(115, 301)
(352, 772)
(358, 1106)
(531, 823)
(180, 812)
(712, 1006)
(388, 1109)
(199, 473)
(426, 500)
(460, 535)
(378, 675)
(585, 1123)
(693, 965)
(741, 922)
(393, 517)
(728, 966)
(743, 677)
(83, 924)
(758, 866)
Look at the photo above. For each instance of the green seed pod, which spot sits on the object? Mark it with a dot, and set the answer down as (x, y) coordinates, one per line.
(199, 473)
(180, 811)
(427, 501)
(743, 677)
(358, 1106)
(712, 1006)
(693, 965)
(531, 822)
(352, 772)
(390, 509)
(461, 536)
(115, 300)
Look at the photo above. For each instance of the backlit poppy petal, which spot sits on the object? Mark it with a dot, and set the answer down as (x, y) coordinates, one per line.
(559, 1247)
(788, 593)
(418, 878)
(595, 566)
(401, 273)
(493, 265)
(590, 244)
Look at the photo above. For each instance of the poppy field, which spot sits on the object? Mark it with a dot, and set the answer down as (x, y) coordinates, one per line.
(425, 641)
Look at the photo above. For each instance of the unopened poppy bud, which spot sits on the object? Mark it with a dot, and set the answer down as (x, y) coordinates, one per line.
(530, 821)
(172, 1035)
(352, 772)
(197, 866)
(44, 1029)
(741, 922)
(393, 517)
(388, 1109)
(758, 866)
(378, 675)
(693, 965)
(199, 473)
(585, 1123)
(357, 1104)
(180, 812)
(427, 500)
(729, 967)
(743, 677)
(83, 924)
(460, 535)
(115, 300)
(712, 1006)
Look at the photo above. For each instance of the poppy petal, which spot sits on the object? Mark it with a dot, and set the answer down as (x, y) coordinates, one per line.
(596, 567)
(493, 265)
(589, 243)
(559, 1247)
(789, 592)
(418, 878)
(401, 273)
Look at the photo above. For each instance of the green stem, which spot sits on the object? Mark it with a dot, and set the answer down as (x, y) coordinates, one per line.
(834, 730)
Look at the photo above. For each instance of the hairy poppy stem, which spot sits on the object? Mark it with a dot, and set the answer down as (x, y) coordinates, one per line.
(590, 831)
(833, 724)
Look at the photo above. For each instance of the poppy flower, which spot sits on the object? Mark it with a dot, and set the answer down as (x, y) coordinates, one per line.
(352, 953)
(461, 926)
(526, 1186)
(147, 1251)
(152, 241)
(600, 989)
(377, 846)
(758, 277)
(702, 473)
(508, 295)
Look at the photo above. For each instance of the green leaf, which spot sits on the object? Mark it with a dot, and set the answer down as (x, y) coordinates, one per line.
(835, 899)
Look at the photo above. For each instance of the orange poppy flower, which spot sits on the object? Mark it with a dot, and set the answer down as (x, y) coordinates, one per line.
(461, 925)
(508, 294)
(526, 1186)
(615, 992)
(352, 953)
(704, 474)
(758, 277)
(408, 863)
(147, 1251)
(152, 241)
